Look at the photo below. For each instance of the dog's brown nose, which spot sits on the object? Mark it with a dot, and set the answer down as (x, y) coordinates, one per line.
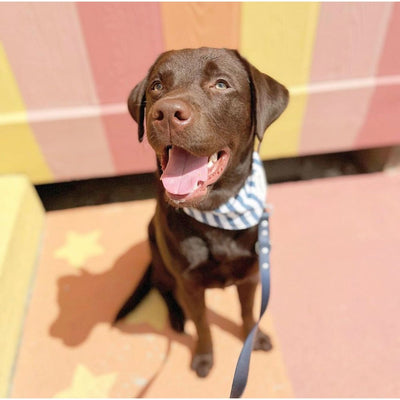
(174, 113)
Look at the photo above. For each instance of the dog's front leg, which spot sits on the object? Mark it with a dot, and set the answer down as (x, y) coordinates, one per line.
(246, 291)
(192, 298)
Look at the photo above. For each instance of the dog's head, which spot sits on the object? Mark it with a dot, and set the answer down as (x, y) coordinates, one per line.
(202, 110)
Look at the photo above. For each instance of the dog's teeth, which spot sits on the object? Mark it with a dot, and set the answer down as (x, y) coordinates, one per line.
(212, 159)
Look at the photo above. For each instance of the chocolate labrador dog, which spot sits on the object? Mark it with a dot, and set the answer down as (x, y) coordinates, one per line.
(202, 110)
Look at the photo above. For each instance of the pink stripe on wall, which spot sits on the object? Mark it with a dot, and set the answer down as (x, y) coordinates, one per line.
(76, 148)
(44, 45)
(130, 156)
(123, 40)
(48, 55)
(382, 124)
(349, 40)
(390, 60)
(333, 119)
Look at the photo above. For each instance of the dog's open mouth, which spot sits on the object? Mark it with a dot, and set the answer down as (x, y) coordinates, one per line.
(186, 176)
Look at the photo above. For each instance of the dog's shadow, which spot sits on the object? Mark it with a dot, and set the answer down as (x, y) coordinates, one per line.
(88, 299)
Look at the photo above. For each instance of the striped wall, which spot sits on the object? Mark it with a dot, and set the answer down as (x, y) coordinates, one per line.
(66, 70)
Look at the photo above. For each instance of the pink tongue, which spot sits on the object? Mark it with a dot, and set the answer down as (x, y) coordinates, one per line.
(183, 171)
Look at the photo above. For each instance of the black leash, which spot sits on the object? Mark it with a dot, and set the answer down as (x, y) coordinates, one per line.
(264, 248)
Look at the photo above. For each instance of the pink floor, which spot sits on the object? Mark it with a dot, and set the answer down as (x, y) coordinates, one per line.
(336, 297)
(333, 315)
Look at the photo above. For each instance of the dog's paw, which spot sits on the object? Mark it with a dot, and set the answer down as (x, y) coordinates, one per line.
(202, 364)
(262, 342)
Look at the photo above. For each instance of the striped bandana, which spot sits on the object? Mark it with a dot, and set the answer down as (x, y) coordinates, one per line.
(243, 210)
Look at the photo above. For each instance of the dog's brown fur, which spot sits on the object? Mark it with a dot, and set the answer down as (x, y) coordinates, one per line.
(188, 256)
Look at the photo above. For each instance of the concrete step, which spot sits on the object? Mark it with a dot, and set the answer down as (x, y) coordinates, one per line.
(21, 227)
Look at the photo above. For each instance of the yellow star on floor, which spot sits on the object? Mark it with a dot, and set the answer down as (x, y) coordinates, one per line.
(87, 385)
(79, 247)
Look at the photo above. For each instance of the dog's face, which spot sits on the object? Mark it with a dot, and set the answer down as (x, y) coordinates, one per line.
(201, 110)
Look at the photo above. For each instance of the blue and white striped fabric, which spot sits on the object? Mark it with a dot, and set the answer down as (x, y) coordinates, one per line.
(242, 211)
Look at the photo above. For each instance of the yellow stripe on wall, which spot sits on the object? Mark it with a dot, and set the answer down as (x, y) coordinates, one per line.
(278, 39)
(19, 151)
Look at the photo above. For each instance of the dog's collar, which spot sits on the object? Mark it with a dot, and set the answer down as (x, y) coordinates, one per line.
(243, 210)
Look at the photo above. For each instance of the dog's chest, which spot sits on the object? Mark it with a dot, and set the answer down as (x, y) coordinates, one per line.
(219, 258)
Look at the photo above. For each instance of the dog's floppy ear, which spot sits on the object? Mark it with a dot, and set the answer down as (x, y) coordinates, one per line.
(269, 98)
(137, 105)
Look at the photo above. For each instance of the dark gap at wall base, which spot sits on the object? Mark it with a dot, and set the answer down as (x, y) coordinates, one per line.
(64, 195)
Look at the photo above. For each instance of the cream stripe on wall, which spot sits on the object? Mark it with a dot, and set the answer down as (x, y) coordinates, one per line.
(19, 151)
(278, 38)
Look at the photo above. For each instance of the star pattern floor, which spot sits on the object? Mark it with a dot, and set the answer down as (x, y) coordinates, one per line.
(332, 316)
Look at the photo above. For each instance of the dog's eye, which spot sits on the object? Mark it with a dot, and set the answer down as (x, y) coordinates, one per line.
(221, 84)
(157, 86)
